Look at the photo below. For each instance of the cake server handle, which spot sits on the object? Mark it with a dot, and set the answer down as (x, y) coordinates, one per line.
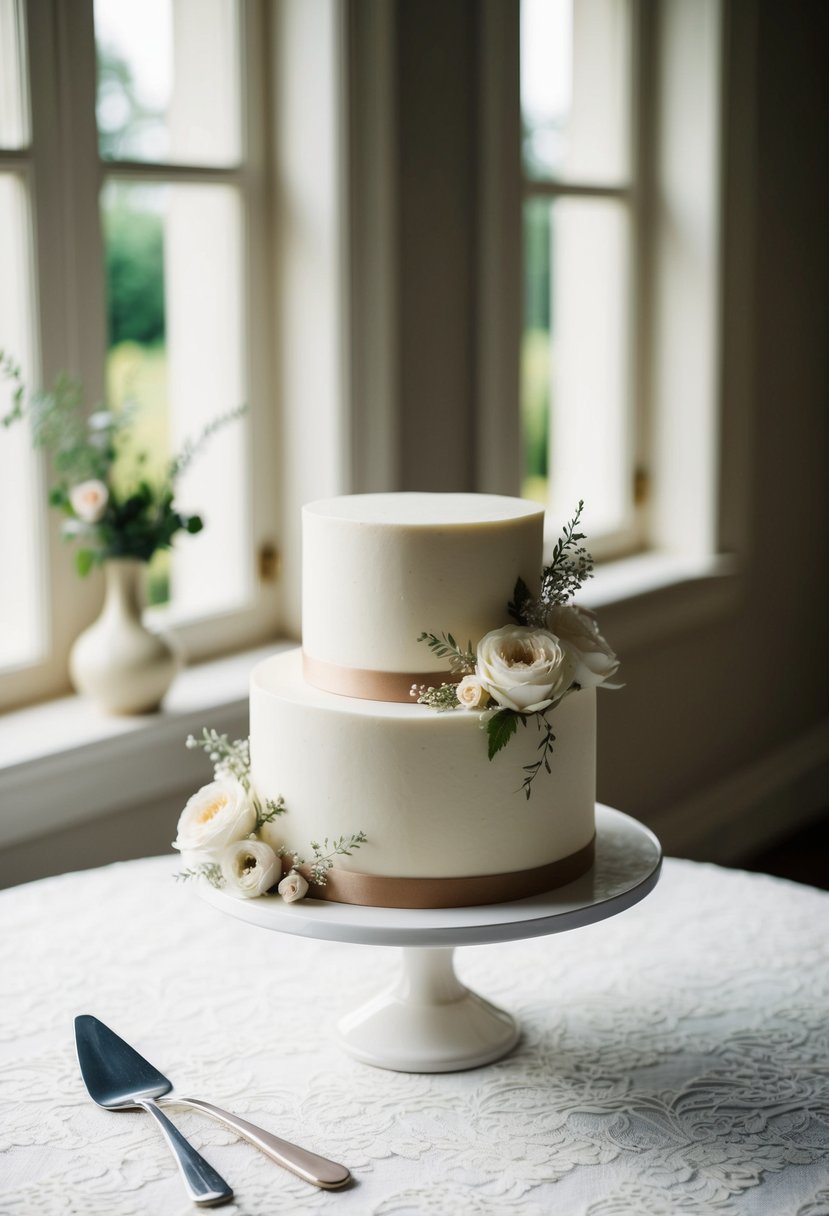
(319, 1171)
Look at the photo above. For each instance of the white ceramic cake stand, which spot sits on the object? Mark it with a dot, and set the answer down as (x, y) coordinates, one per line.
(427, 1020)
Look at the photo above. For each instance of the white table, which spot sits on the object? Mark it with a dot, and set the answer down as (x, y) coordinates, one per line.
(674, 1058)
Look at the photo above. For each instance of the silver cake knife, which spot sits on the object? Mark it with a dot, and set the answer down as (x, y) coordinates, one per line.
(311, 1167)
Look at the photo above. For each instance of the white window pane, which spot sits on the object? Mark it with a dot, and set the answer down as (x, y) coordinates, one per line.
(575, 89)
(21, 505)
(174, 267)
(590, 441)
(212, 571)
(14, 118)
(168, 80)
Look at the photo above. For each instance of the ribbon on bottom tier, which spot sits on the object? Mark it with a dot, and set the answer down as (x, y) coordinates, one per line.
(385, 891)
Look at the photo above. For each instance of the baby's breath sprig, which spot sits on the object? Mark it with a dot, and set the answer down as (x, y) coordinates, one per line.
(324, 861)
(445, 647)
(442, 698)
(229, 759)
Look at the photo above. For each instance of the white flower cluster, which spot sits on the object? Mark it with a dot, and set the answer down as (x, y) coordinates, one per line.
(217, 827)
(527, 670)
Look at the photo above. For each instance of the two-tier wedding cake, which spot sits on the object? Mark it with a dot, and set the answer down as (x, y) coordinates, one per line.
(432, 742)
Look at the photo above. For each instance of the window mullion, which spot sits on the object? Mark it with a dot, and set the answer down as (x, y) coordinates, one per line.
(68, 295)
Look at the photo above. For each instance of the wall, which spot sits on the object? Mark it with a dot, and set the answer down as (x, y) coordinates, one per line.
(720, 738)
(721, 735)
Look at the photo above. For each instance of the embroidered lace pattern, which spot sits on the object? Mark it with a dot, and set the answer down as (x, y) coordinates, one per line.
(674, 1059)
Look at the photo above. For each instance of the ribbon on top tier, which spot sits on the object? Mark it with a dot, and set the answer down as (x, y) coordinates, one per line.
(369, 685)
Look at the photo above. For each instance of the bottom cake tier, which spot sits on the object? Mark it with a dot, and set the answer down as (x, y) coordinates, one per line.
(444, 825)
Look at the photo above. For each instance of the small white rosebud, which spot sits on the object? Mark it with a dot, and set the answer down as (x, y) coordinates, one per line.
(293, 887)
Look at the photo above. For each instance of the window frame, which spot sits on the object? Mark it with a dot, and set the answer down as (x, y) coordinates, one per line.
(64, 174)
(632, 196)
(663, 528)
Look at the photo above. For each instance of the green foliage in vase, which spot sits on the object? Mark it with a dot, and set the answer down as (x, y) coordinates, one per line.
(105, 519)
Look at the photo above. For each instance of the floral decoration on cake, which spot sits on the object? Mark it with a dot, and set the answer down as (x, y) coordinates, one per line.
(519, 673)
(220, 832)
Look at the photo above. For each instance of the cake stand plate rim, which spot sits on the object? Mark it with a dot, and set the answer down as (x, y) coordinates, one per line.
(627, 868)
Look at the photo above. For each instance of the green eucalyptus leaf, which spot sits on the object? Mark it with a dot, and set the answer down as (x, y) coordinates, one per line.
(500, 728)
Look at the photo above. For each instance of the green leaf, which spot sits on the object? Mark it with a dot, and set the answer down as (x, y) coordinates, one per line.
(521, 599)
(500, 728)
(84, 561)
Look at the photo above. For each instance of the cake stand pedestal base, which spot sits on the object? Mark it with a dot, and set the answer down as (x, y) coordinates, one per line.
(427, 1021)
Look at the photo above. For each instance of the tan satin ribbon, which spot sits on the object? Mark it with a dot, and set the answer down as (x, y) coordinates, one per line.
(381, 891)
(370, 685)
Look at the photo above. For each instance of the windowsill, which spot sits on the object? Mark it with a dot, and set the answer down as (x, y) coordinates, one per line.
(64, 762)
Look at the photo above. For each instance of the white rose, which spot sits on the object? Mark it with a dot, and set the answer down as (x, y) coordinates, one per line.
(523, 669)
(471, 693)
(578, 631)
(292, 887)
(89, 500)
(214, 817)
(250, 868)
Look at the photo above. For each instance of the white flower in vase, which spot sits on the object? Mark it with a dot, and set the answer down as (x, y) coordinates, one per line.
(88, 499)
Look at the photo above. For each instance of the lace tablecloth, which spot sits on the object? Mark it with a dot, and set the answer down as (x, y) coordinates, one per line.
(674, 1059)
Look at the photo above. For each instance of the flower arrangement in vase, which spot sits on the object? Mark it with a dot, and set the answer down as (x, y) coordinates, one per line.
(117, 661)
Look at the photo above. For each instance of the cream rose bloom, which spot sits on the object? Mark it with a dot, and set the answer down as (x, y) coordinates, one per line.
(214, 817)
(471, 693)
(577, 630)
(250, 868)
(88, 500)
(522, 668)
(293, 887)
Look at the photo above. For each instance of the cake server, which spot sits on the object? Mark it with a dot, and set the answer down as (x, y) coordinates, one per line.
(103, 1042)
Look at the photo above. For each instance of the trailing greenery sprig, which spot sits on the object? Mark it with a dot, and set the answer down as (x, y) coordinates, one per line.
(274, 807)
(324, 861)
(445, 647)
(546, 749)
(570, 566)
(209, 870)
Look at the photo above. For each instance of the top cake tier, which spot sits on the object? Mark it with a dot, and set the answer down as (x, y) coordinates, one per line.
(380, 569)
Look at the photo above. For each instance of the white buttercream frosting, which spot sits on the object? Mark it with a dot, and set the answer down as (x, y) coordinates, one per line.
(380, 569)
(417, 782)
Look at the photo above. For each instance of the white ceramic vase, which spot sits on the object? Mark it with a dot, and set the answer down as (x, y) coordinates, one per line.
(117, 662)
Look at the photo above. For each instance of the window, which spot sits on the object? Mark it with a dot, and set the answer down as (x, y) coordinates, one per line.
(580, 177)
(132, 213)
(621, 180)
